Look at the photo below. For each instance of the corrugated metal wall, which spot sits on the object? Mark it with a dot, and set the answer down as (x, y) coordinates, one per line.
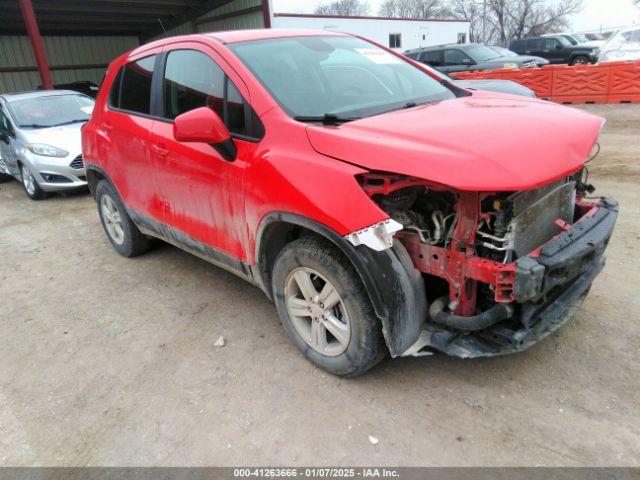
(248, 16)
(89, 55)
(236, 15)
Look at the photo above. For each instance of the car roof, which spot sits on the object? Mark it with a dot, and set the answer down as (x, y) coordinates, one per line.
(10, 97)
(462, 46)
(232, 36)
(235, 36)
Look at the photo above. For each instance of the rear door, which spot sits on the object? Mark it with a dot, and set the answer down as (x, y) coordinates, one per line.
(201, 191)
(125, 128)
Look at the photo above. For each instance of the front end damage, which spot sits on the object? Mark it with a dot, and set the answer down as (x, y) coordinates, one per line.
(496, 271)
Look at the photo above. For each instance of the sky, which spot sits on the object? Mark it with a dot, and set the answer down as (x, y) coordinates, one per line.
(596, 13)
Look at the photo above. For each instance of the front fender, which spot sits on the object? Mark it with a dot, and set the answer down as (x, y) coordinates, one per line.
(394, 286)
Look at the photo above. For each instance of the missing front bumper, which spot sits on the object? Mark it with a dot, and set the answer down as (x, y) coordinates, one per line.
(503, 340)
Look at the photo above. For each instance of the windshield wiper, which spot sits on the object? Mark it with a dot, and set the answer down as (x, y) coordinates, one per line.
(70, 122)
(403, 107)
(326, 119)
(33, 125)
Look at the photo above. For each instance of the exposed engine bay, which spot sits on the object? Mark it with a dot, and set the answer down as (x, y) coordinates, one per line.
(482, 255)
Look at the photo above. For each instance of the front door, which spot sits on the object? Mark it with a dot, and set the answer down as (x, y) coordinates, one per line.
(456, 60)
(7, 134)
(202, 192)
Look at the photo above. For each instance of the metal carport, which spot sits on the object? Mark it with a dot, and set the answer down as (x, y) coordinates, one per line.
(43, 42)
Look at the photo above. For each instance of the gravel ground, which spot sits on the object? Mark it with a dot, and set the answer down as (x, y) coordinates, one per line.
(111, 361)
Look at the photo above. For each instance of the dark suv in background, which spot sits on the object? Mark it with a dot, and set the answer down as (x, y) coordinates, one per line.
(470, 56)
(555, 49)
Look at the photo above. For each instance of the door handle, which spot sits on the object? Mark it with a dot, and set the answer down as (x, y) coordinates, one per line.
(163, 152)
(107, 126)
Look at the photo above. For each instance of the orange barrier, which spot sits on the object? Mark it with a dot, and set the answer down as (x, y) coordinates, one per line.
(611, 82)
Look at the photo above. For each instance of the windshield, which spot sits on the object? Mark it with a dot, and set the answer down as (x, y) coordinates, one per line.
(581, 38)
(480, 53)
(50, 111)
(505, 52)
(346, 76)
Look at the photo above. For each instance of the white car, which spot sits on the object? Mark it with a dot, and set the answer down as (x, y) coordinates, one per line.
(40, 143)
(623, 45)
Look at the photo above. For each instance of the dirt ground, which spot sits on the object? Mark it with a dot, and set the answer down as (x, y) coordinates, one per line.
(111, 361)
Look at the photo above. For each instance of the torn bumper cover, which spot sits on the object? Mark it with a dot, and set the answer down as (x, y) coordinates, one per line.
(548, 288)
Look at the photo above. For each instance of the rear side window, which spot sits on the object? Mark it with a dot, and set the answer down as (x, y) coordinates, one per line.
(132, 87)
(517, 45)
(432, 58)
(535, 44)
(192, 80)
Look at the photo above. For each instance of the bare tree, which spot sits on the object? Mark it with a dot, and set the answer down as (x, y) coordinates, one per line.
(471, 11)
(499, 21)
(344, 8)
(411, 9)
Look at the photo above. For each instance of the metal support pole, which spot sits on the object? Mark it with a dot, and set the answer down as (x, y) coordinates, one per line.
(266, 13)
(36, 43)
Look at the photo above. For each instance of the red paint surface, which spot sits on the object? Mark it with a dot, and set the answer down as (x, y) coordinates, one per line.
(484, 142)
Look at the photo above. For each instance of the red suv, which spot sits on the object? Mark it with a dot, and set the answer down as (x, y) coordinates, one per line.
(383, 209)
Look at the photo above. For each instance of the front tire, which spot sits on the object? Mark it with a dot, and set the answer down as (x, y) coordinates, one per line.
(123, 234)
(30, 184)
(325, 309)
(579, 60)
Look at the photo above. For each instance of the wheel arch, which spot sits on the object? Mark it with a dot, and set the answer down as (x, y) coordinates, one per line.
(94, 175)
(394, 286)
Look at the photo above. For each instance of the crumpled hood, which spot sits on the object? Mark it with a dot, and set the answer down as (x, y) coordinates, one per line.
(67, 137)
(484, 142)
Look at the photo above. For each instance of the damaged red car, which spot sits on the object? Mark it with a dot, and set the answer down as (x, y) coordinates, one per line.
(383, 209)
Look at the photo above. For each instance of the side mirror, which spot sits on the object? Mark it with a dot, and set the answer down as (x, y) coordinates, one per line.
(204, 125)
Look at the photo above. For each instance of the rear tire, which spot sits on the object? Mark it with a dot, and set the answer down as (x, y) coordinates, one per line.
(330, 317)
(30, 184)
(123, 234)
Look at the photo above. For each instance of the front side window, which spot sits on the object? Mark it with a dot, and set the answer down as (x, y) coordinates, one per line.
(134, 94)
(51, 110)
(192, 80)
(308, 76)
(456, 57)
(551, 43)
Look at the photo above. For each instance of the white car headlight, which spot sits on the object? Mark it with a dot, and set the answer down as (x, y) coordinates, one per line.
(509, 65)
(46, 150)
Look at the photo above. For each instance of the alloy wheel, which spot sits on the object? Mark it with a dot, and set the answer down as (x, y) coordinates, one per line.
(112, 219)
(317, 311)
(28, 181)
